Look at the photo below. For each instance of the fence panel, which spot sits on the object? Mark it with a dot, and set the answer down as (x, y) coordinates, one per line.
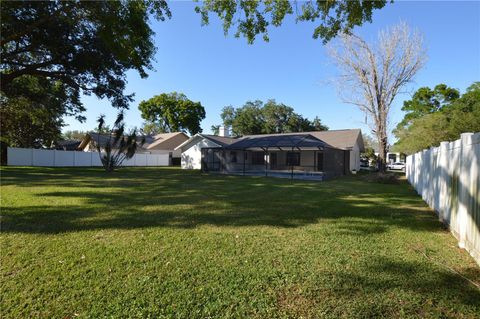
(447, 178)
(54, 158)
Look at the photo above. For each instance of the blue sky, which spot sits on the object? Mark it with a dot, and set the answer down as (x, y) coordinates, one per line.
(292, 68)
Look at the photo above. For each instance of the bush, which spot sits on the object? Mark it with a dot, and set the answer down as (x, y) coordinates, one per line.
(382, 178)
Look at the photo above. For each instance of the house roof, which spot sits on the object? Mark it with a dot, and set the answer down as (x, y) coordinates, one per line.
(342, 139)
(164, 141)
(68, 145)
(221, 141)
(298, 141)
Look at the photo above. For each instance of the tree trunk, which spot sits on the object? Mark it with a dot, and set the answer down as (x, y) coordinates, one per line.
(382, 154)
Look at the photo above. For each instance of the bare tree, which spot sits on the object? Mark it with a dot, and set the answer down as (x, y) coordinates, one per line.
(373, 74)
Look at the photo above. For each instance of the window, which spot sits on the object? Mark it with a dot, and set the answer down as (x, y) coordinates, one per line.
(233, 157)
(293, 158)
(258, 158)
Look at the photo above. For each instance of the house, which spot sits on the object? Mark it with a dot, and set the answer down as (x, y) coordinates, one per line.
(67, 145)
(319, 154)
(164, 143)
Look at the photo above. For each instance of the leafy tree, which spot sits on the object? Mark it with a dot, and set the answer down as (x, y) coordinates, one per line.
(256, 117)
(215, 129)
(372, 74)
(54, 51)
(445, 123)
(118, 146)
(86, 45)
(252, 18)
(31, 116)
(173, 112)
(74, 135)
(152, 128)
(249, 119)
(426, 101)
(228, 115)
(317, 125)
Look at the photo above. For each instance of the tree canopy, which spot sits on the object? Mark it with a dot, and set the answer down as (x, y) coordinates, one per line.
(252, 18)
(52, 52)
(438, 119)
(256, 117)
(173, 112)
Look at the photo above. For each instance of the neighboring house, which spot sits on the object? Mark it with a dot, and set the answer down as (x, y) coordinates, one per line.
(165, 143)
(322, 153)
(67, 145)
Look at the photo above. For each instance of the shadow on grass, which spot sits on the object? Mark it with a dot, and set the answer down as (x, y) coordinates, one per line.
(142, 198)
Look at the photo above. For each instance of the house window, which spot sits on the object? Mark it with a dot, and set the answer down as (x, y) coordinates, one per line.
(233, 157)
(258, 158)
(245, 156)
(293, 158)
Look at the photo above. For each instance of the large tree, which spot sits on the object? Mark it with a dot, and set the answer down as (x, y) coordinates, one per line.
(252, 18)
(256, 117)
(68, 48)
(32, 115)
(437, 124)
(173, 112)
(372, 74)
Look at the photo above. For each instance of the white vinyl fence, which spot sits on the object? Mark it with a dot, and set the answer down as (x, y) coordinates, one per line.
(54, 158)
(447, 178)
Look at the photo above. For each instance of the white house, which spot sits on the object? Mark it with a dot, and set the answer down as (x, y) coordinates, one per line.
(191, 149)
(299, 151)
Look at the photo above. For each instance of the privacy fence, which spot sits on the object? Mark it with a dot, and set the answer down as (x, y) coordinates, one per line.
(55, 158)
(447, 178)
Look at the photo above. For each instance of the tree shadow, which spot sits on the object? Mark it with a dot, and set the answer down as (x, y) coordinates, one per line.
(145, 198)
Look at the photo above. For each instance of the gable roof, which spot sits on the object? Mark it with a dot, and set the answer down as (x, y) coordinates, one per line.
(167, 141)
(164, 141)
(221, 141)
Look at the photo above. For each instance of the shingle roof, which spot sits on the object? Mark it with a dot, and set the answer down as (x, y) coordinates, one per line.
(343, 139)
(220, 140)
(280, 140)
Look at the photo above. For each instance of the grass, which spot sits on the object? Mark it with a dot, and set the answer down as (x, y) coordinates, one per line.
(149, 242)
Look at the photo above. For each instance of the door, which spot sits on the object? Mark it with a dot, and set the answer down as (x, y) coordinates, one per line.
(273, 160)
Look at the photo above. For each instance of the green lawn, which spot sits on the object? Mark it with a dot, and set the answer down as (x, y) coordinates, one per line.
(149, 242)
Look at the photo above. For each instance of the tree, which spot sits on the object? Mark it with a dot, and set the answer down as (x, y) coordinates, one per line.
(317, 125)
(151, 128)
(173, 112)
(256, 117)
(253, 18)
(88, 46)
(32, 115)
(373, 74)
(426, 101)
(249, 119)
(65, 48)
(117, 147)
(215, 129)
(457, 116)
(74, 135)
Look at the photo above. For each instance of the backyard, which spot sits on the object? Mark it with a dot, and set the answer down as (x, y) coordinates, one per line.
(163, 242)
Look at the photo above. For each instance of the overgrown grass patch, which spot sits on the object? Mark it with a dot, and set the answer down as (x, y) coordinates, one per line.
(152, 242)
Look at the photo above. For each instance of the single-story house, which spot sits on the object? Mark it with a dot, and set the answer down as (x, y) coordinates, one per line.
(164, 143)
(320, 154)
(67, 145)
